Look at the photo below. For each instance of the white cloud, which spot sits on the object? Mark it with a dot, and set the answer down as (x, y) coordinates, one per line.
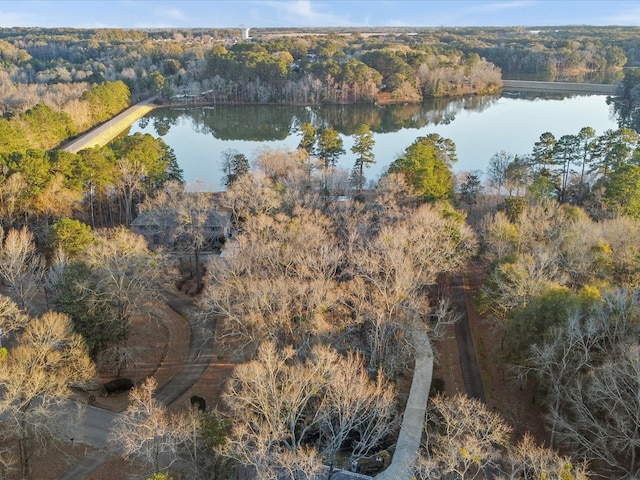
(169, 13)
(630, 16)
(17, 19)
(306, 12)
(509, 5)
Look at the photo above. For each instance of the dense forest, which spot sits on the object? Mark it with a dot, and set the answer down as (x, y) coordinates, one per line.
(320, 297)
(328, 66)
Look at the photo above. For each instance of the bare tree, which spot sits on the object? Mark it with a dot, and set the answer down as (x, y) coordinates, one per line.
(280, 405)
(528, 460)
(278, 163)
(129, 182)
(201, 438)
(353, 403)
(127, 273)
(269, 399)
(234, 164)
(127, 277)
(497, 169)
(195, 210)
(21, 267)
(591, 366)
(12, 318)
(14, 198)
(54, 275)
(394, 268)
(252, 194)
(282, 281)
(552, 245)
(35, 376)
(146, 431)
(529, 255)
(464, 439)
(292, 173)
(587, 255)
(619, 235)
(499, 237)
(279, 283)
(185, 218)
(513, 284)
(160, 211)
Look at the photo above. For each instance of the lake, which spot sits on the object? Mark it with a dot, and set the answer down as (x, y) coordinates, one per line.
(479, 126)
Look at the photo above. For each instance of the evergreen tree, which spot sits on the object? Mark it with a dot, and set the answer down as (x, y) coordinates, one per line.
(329, 148)
(471, 188)
(234, 164)
(363, 148)
(623, 190)
(626, 101)
(426, 164)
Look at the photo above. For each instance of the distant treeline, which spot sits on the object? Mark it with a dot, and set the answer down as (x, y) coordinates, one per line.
(307, 66)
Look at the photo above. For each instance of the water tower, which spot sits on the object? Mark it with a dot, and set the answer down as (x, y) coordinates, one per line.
(245, 32)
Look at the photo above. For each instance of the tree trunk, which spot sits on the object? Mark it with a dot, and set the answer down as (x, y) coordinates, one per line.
(24, 459)
(25, 463)
(197, 259)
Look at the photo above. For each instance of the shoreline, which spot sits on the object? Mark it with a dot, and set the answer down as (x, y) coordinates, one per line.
(106, 132)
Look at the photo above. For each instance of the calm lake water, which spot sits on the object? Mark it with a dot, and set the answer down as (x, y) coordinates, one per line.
(479, 126)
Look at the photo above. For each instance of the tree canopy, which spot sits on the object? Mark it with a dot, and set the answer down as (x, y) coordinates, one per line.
(426, 164)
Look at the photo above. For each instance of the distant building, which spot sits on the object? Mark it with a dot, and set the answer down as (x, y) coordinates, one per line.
(159, 228)
(245, 33)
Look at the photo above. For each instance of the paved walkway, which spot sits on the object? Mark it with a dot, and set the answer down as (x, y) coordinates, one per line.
(406, 448)
(102, 134)
(410, 437)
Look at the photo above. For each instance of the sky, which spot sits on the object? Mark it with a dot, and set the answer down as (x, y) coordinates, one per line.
(315, 13)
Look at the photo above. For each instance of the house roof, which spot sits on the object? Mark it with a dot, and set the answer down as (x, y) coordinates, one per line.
(170, 218)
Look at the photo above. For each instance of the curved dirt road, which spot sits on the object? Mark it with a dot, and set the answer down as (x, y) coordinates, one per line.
(92, 429)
